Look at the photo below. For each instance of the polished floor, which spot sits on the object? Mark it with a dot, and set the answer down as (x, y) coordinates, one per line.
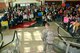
(30, 38)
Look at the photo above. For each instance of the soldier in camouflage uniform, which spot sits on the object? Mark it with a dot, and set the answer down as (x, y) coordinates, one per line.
(48, 37)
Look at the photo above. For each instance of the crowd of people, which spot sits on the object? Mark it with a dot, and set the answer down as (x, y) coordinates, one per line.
(68, 15)
(69, 18)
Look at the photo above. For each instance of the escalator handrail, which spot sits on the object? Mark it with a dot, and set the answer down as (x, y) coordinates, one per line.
(1, 35)
(1, 39)
(70, 37)
(11, 41)
(66, 36)
(59, 35)
(77, 45)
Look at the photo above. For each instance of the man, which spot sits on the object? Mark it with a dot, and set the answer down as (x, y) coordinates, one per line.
(48, 37)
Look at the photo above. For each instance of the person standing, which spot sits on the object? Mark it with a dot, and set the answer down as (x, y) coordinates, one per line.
(47, 38)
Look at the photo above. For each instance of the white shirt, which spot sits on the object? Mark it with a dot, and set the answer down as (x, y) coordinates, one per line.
(31, 15)
(48, 17)
(25, 16)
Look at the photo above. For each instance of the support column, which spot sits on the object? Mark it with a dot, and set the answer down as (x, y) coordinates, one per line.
(6, 2)
(43, 1)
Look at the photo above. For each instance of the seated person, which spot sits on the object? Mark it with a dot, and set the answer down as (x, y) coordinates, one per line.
(78, 31)
(76, 24)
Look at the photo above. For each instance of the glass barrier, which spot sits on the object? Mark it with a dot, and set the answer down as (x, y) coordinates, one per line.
(66, 35)
(11, 47)
(59, 45)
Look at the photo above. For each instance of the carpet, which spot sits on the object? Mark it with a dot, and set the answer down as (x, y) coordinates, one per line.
(23, 25)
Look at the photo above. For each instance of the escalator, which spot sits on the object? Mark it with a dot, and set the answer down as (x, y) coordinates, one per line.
(12, 46)
(71, 43)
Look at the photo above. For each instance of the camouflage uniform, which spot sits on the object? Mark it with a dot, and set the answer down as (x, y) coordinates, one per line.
(48, 37)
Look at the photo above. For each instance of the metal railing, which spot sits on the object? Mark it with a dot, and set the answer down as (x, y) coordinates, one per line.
(68, 43)
(1, 39)
(16, 39)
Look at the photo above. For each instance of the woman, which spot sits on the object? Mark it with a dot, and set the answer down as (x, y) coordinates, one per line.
(65, 21)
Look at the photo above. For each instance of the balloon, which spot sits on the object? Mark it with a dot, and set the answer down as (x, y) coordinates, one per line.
(63, 4)
(67, 5)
